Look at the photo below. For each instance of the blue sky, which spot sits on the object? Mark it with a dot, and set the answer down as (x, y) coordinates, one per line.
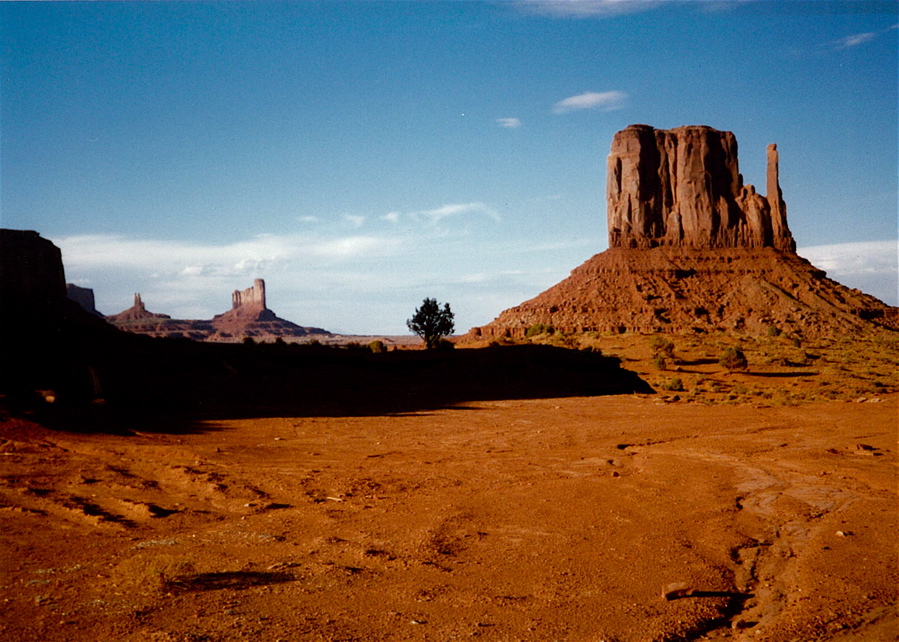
(360, 156)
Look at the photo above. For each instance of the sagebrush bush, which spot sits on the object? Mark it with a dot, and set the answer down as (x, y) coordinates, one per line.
(673, 385)
(663, 347)
(734, 359)
(377, 346)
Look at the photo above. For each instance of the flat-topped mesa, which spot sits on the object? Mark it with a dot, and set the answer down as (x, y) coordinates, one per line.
(682, 187)
(253, 297)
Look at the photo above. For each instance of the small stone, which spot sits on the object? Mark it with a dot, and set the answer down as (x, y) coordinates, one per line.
(842, 534)
(676, 591)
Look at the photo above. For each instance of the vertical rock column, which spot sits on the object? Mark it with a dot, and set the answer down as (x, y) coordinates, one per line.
(781, 236)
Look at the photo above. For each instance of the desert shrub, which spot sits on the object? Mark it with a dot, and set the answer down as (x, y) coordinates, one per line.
(445, 344)
(773, 331)
(377, 346)
(538, 329)
(248, 341)
(733, 359)
(663, 347)
(673, 385)
(659, 362)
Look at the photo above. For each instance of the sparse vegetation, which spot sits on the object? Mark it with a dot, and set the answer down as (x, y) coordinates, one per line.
(432, 323)
(662, 347)
(377, 346)
(539, 328)
(673, 385)
(734, 360)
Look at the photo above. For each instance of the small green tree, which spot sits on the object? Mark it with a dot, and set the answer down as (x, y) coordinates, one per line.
(431, 322)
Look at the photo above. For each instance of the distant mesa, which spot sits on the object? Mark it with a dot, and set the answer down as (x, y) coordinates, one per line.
(248, 317)
(693, 249)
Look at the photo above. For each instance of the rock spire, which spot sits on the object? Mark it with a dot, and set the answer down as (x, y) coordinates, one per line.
(682, 187)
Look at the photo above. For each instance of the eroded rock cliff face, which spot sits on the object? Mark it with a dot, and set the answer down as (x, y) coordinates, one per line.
(683, 188)
(693, 249)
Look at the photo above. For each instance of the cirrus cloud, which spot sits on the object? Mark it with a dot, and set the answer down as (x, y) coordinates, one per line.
(508, 123)
(585, 8)
(604, 101)
(857, 39)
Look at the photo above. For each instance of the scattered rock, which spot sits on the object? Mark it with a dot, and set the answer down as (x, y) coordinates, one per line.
(677, 590)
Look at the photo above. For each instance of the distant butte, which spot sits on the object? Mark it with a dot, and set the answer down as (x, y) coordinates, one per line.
(693, 249)
(248, 317)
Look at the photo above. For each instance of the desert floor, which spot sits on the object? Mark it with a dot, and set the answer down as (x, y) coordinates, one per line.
(544, 519)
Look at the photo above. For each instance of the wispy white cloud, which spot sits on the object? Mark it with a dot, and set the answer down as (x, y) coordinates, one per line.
(308, 219)
(455, 209)
(585, 8)
(340, 277)
(857, 39)
(509, 123)
(354, 220)
(255, 255)
(872, 267)
(605, 101)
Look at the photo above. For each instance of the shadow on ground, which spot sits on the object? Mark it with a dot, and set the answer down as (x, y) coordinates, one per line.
(114, 382)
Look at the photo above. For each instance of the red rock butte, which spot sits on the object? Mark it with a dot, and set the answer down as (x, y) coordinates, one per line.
(693, 249)
(683, 188)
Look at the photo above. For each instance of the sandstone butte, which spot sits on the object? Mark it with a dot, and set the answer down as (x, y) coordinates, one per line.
(692, 249)
(249, 316)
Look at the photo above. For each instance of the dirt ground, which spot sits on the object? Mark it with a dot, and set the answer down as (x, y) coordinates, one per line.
(610, 518)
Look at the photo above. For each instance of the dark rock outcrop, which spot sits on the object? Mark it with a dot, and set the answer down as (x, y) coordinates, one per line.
(83, 297)
(46, 340)
(683, 188)
(30, 268)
